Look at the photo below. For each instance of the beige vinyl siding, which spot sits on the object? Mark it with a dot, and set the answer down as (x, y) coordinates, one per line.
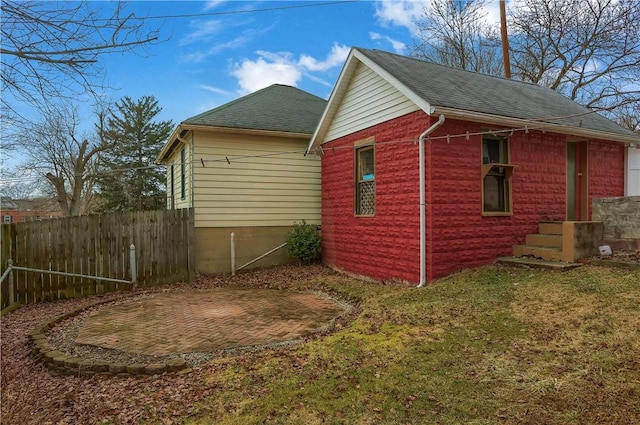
(179, 200)
(267, 181)
(368, 101)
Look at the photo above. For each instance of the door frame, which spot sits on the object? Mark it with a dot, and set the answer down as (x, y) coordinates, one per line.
(577, 181)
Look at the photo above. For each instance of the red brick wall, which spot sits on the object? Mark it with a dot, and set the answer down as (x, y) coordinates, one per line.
(386, 246)
(458, 236)
(21, 216)
(606, 170)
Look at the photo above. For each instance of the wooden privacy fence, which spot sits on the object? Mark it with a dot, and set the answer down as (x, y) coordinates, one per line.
(99, 246)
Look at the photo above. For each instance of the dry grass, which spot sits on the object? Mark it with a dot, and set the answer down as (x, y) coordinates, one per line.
(488, 346)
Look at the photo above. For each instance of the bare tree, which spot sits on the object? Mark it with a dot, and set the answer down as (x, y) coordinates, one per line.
(629, 116)
(453, 33)
(589, 50)
(51, 50)
(65, 159)
(18, 189)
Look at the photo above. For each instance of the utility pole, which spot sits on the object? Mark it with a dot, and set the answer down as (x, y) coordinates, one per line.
(505, 40)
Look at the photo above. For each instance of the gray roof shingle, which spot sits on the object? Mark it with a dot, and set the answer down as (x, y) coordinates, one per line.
(274, 108)
(469, 91)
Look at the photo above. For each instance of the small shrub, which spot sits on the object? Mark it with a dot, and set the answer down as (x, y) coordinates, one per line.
(303, 242)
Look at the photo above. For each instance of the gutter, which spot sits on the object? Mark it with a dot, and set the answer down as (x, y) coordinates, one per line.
(423, 215)
(536, 125)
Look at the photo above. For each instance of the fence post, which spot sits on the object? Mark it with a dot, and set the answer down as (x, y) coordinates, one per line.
(233, 255)
(11, 293)
(132, 259)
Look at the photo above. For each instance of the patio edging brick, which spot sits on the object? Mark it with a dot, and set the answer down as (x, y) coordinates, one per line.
(61, 363)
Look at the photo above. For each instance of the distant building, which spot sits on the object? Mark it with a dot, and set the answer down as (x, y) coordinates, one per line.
(21, 210)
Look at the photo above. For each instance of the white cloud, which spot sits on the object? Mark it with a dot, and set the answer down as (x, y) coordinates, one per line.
(257, 74)
(212, 4)
(240, 40)
(396, 45)
(491, 12)
(405, 13)
(215, 90)
(336, 57)
(202, 31)
(401, 13)
(282, 68)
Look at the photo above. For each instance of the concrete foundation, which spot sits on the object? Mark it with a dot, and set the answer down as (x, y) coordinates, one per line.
(213, 247)
(621, 218)
(580, 239)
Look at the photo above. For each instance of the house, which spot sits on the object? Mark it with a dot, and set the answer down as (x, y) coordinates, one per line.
(242, 168)
(427, 169)
(21, 210)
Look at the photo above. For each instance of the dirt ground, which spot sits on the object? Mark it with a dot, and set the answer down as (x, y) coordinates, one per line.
(621, 256)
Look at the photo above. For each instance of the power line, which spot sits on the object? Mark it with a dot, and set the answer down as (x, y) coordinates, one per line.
(204, 14)
(536, 124)
(238, 12)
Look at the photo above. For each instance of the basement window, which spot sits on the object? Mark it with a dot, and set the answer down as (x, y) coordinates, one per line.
(496, 176)
(365, 202)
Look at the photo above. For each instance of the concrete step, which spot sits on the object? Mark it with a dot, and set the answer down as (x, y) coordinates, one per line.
(550, 227)
(535, 263)
(545, 253)
(541, 239)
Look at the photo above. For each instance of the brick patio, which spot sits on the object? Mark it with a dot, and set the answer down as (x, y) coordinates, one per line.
(211, 320)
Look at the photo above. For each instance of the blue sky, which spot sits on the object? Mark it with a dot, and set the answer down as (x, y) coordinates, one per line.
(226, 49)
(207, 61)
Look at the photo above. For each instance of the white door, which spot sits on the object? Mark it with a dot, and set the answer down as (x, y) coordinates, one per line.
(632, 176)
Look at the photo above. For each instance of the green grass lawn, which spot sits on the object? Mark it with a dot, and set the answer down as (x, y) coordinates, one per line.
(489, 346)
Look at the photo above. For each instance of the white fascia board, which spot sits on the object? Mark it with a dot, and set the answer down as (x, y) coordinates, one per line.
(334, 101)
(410, 94)
(167, 146)
(342, 84)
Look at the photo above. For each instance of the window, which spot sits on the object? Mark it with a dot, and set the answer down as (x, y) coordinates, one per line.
(173, 187)
(365, 181)
(182, 174)
(496, 176)
(6, 219)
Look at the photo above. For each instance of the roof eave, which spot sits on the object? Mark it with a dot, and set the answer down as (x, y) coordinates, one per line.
(533, 125)
(175, 136)
(334, 101)
(252, 131)
(171, 142)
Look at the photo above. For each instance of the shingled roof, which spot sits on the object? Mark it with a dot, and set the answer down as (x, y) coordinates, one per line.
(456, 93)
(274, 108)
(444, 86)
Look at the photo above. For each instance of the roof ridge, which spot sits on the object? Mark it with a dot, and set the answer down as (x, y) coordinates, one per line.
(246, 97)
(227, 104)
(461, 89)
(453, 68)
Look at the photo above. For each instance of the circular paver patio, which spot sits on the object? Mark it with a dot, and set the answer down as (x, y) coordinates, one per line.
(209, 320)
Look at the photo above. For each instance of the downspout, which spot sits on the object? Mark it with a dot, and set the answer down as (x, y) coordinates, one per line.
(192, 169)
(423, 215)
